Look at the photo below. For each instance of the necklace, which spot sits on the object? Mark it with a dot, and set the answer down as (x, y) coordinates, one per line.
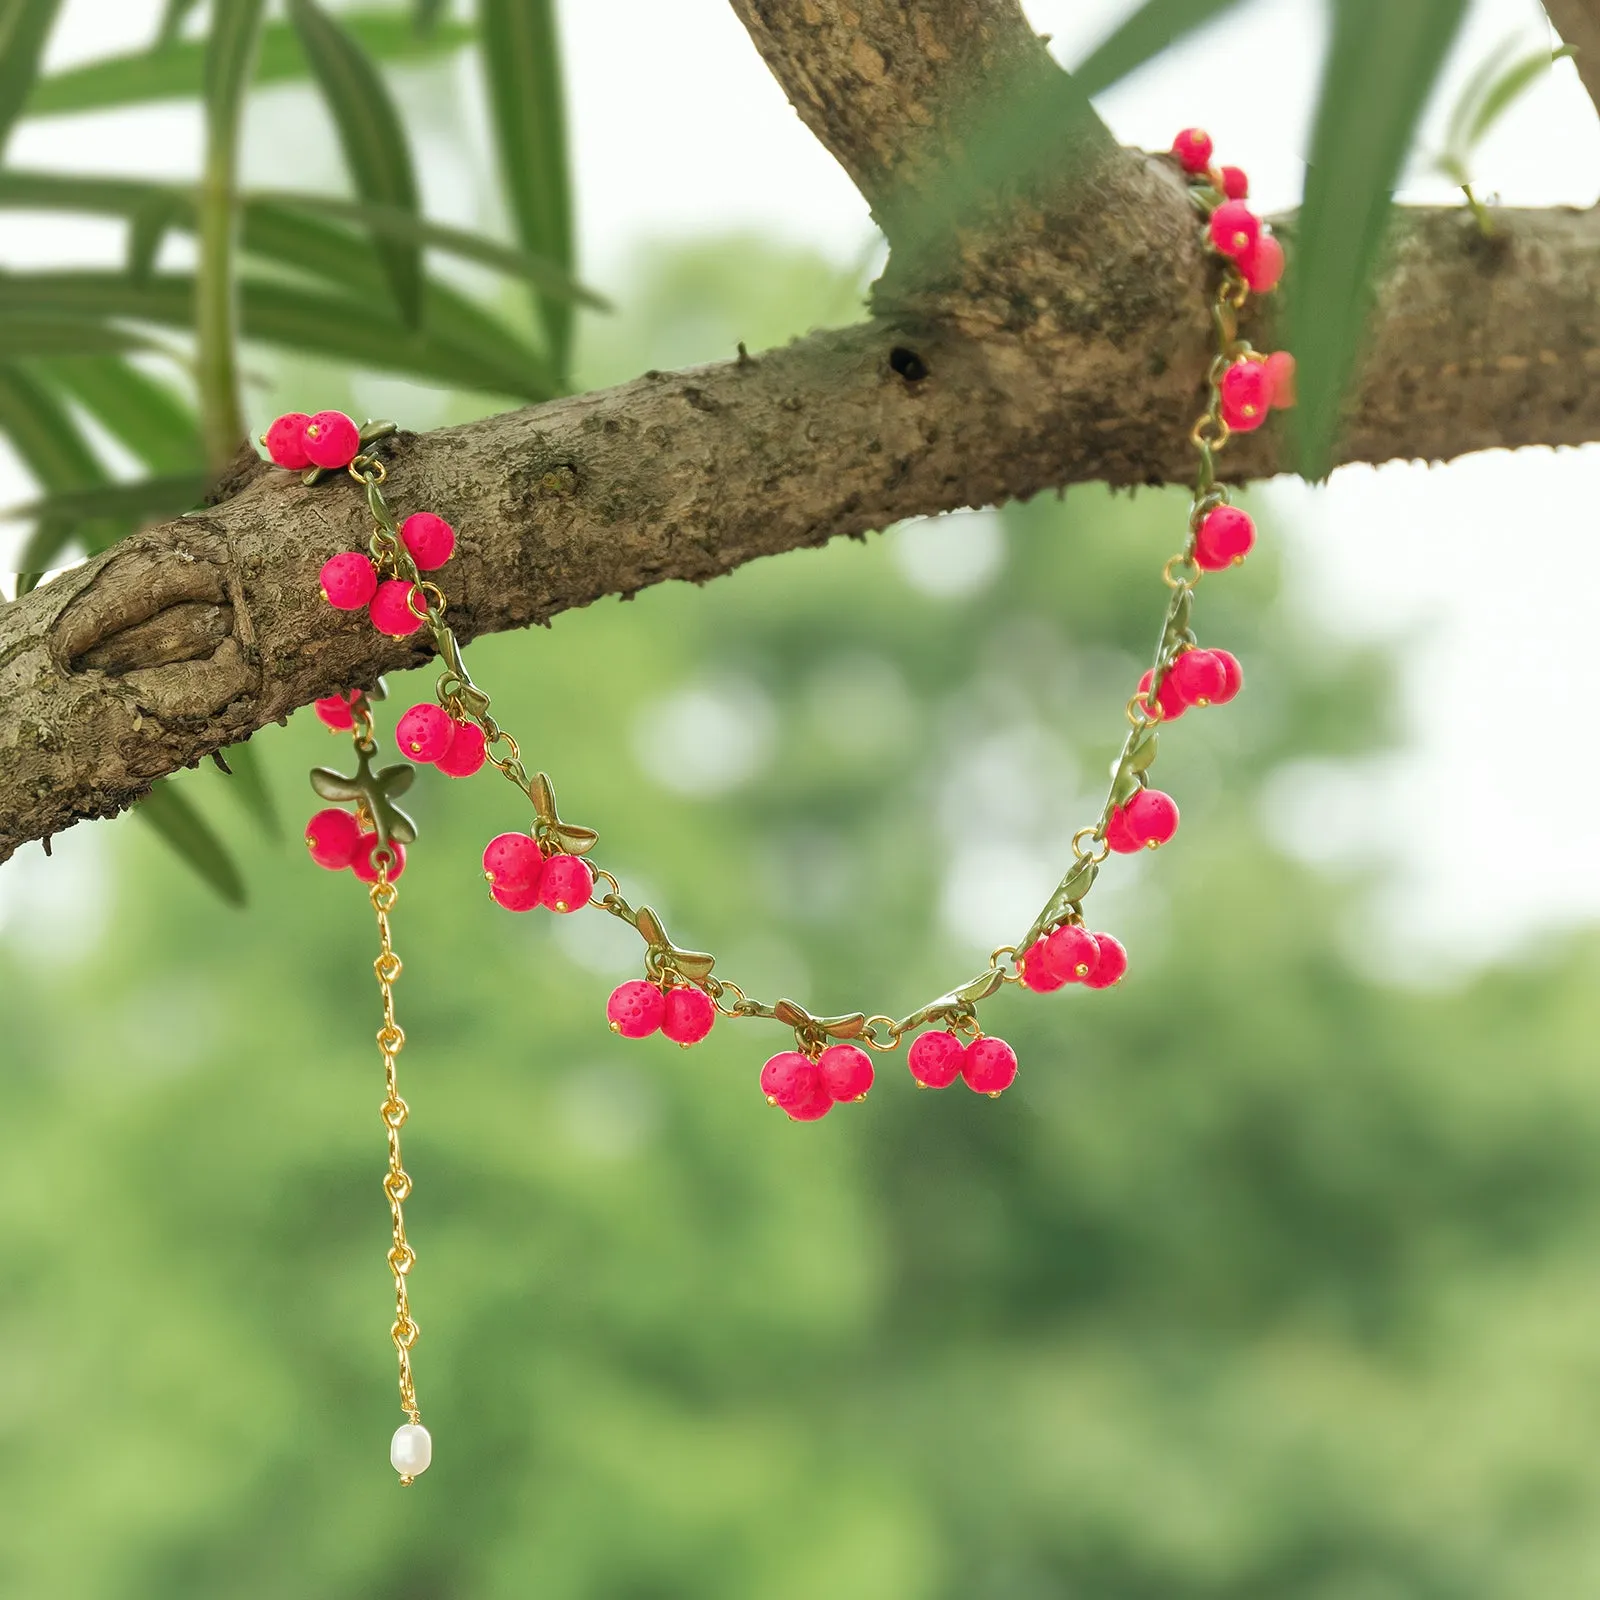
(680, 994)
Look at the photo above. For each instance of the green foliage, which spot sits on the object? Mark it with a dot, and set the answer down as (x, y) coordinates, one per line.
(24, 27)
(1382, 64)
(374, 143)
(1494, 87)
(1156, 26)
(522, 71)
(175, 818)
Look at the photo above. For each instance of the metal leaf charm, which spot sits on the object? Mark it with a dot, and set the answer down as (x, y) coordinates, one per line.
(695, 965)
(566, 836)
(374, 791)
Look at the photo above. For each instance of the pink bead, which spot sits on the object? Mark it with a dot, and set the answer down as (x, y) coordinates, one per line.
(935, 1059)
(362, 864)
(1225, 537)
(689, 1015)
(989, 1065)
(1234, 229)
(567, 884)
(513, 861)
(423, 733)
(1232, 677)
(846, 1072)
(1113, 963)
(331, 440)
(286, 441)
(813, 1102)
(349, 580)
(468, 751)
(430, 539)
(334, 711)
(635, 1009)
(1235, 185)
(1245, 395)
(1193, 148)
(1171, 703)
(515, 899)
(1197, 677)
(1152, 817)
(391, 610)
(1036, 975)
(1262, 265)
(1280, 379)
(332, 836)
(1118, 835)
(1072, 952)
(787, 1076)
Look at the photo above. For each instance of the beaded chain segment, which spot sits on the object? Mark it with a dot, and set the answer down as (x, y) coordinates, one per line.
(680, 994)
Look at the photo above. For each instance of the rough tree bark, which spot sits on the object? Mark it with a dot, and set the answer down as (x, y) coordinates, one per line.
(1061, 341)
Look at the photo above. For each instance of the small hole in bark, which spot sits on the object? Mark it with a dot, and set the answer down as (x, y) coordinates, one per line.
(908, 364)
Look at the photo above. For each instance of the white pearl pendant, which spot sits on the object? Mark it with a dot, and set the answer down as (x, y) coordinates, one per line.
(411, 1450)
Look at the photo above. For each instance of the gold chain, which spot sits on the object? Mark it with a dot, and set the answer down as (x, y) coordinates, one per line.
(396, 1181)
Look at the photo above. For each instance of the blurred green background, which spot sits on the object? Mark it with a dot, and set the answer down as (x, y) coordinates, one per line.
(1266, 1279)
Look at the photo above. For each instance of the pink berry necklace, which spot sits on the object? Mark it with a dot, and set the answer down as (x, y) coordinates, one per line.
(680, 994)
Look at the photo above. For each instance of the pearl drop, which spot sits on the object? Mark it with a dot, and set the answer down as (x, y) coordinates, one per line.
(411, 1449)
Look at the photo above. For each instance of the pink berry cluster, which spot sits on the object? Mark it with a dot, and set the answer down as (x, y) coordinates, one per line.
(1254, 384)
(429, 735)
(330, 440)
(1071, 954)
(808, 1087)
(1197, 677)
(394, 605)
(987, 1065)
(681, 1012)
(521, 876)
(337, 840)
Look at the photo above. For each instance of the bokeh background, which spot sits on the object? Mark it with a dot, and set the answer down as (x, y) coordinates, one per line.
(1275, 1275)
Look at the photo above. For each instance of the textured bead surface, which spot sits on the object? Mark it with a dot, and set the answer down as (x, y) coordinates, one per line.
(1037, 975)
(391, 610)
(1071, 952)
(331, 440)
(467, 753)
(786, 1076)
(286, 441)
(688, 1016)
(1235, 185)
(1193, 147)
(349, 580)
(513, 861)
(331, 837)
(1171, 703)
(635, 1009)
(1245, 396)
(1196, 676)
(1232, 677)
(334, 712)
(567, 884)
(1111, 966)
(1152, 817)
(846, 1071)
(424, 732)
(515, 899)
(989, 1065)
(1118, 836)
(811, 1102)
(1225, 537)
(361, 862)
(935, 1059)
(411, 1449)
(1235, 228)
(430, 539)
(1262, 265)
